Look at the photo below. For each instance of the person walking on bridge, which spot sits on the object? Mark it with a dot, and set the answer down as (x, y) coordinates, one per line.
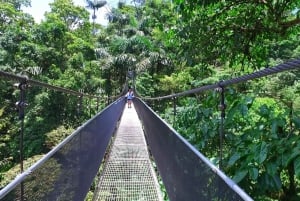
(129, 97)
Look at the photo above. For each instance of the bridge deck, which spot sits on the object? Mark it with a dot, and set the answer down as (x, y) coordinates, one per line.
(128, 173)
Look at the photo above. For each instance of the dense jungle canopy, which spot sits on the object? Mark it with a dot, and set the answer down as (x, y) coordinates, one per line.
(169, 47)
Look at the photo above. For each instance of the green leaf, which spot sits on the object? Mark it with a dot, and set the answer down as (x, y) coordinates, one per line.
(233, 159)
(239, 176)
(297, 167)
(263, 152)
(264, 110)
(276, 182)
(244, 110)
(271, 168)
(204, 129)
(206, 112)
(296, 121)
(253, 173)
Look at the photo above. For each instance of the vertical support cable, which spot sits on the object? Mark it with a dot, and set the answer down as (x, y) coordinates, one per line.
(90, 105)
(222, 108)
(79, 107)
(97, 105)
(174, 110)
(21, 104)
(291, 117)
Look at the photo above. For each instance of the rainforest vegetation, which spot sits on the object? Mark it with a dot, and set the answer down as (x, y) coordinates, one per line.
(169, 47)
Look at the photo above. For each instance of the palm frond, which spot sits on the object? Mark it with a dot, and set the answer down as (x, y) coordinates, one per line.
(95, 4)
(101, 53)
(143, 65)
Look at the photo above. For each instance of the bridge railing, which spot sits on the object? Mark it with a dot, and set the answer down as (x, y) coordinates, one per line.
(186, 173)
(287, 66)
(68, 170)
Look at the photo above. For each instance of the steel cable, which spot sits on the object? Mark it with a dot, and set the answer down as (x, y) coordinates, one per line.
(24, 79)
(289, 65)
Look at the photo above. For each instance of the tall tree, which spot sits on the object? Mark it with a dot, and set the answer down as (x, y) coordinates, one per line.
(236, 31)
(17, 3)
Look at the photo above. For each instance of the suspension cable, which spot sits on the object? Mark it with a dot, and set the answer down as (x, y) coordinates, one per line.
(42, 84)
(289, 65)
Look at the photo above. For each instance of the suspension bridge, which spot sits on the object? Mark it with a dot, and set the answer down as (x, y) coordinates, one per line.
(135, 150)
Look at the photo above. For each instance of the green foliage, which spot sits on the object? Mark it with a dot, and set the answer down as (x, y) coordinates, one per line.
(176, 82)
(13, 172)
(259, 145)
(261, 137)
(145, 85)
(55, 51)
(235, 31)
(17, 3)
(73, 17)
(54, 137)
(170, 47)
(198, 122)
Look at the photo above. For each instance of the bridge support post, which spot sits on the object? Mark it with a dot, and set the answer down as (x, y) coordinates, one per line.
(21, 104)
(222, 107)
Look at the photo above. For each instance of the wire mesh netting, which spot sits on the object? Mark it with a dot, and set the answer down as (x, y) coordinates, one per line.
(128, 174)
(67, 172)
(186, 173)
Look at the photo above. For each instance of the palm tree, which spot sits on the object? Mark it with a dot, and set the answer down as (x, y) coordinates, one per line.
(95, 5)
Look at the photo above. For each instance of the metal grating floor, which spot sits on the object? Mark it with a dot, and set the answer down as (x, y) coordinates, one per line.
(128, 174)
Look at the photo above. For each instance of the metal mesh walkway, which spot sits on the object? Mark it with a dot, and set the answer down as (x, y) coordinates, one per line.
(128, 174)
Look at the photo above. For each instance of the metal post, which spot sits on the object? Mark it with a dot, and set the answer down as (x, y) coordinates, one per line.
(222, 108)
(21, 104)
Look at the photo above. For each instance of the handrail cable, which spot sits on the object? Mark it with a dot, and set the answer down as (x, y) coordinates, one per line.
(289, 65)
(24, 79)
(96, 150)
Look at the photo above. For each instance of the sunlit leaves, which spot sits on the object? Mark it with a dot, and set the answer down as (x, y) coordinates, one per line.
(176, 82)
(72, 16)
(143, 65)
(57, 135)
(83, 47)
(17, 3)
(7, 15)
(146, 85)
(101, 53)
